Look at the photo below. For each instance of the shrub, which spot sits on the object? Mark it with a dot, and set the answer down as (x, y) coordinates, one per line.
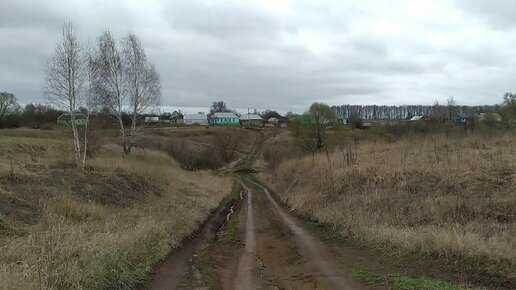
(193, 159)
(95, 136)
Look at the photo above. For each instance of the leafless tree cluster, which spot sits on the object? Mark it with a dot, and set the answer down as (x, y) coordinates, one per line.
(117, 77)
(124, 80)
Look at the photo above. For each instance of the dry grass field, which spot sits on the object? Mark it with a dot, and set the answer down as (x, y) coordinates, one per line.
(452, 198)
(101, 228)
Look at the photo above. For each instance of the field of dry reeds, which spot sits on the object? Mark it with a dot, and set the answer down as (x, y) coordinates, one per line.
(100, 228)
(448, 197)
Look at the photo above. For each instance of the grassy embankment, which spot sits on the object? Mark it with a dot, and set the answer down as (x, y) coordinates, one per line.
(101, 228)
(452, 199)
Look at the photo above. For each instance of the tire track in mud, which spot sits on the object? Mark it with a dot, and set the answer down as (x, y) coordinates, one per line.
(259, 247)
(250, 267)
(320, 271)
(247, 264)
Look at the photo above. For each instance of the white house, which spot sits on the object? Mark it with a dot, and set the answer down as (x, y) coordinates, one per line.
(195, 119)
(151, 119)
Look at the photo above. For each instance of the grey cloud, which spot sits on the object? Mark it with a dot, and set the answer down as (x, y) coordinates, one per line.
(251, 57)
(219, 20)
(23, 13)
(498, 13)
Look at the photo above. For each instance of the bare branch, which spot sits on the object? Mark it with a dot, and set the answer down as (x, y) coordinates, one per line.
(66, 80)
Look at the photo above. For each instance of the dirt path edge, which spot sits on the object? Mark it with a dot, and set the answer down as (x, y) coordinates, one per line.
(168, 273)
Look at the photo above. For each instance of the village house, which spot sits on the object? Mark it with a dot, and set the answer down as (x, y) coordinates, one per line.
(251, 120)
(195, 119)
(151, 119)
(342, 120)
(224, 119)
(176, 118)
(378, 122)
(66, 119)
(425, 118)
(281, 122)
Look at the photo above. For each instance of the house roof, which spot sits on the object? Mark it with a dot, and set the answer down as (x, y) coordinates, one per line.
(176, 115)
(193, 116)
(224, 115)
(416, 118)
(250, 117)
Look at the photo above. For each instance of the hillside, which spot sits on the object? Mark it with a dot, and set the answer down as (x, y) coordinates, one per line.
(101, 228)
(445, 199)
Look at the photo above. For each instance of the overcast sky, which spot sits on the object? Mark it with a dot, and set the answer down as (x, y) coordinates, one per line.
(284, 54)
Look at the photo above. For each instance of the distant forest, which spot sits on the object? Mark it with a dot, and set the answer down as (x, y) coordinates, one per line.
(405, 112)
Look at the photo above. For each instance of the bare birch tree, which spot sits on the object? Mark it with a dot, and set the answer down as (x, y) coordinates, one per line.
(66, 82)
(109, 83)
(143, 85)
(125, 81)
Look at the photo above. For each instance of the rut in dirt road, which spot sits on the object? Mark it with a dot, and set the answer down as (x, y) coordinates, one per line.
(319, 261)
(249, 267)
(262, 247)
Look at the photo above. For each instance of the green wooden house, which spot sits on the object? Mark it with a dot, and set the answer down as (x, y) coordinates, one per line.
(224, 119)
(66, 119)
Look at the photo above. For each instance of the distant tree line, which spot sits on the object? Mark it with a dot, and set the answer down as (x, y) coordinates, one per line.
(35, 116)
(405, 112)
(40, 116)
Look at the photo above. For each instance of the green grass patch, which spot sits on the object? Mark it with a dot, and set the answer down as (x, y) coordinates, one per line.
(398, 282)
(209, 277)
(368, 276)
(231, 227)
(421, 283)
(231, 231)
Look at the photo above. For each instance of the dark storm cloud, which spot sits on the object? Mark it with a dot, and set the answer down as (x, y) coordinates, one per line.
(282, 54)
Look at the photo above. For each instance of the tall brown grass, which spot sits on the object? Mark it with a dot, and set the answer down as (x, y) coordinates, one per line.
(449, 197)
(101, 228)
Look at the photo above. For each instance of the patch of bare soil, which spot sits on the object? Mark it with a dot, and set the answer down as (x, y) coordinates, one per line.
(261, 247)
(267, 252)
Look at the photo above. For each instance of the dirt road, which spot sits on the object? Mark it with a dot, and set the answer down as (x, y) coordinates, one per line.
(291, 258)
(262, 247)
